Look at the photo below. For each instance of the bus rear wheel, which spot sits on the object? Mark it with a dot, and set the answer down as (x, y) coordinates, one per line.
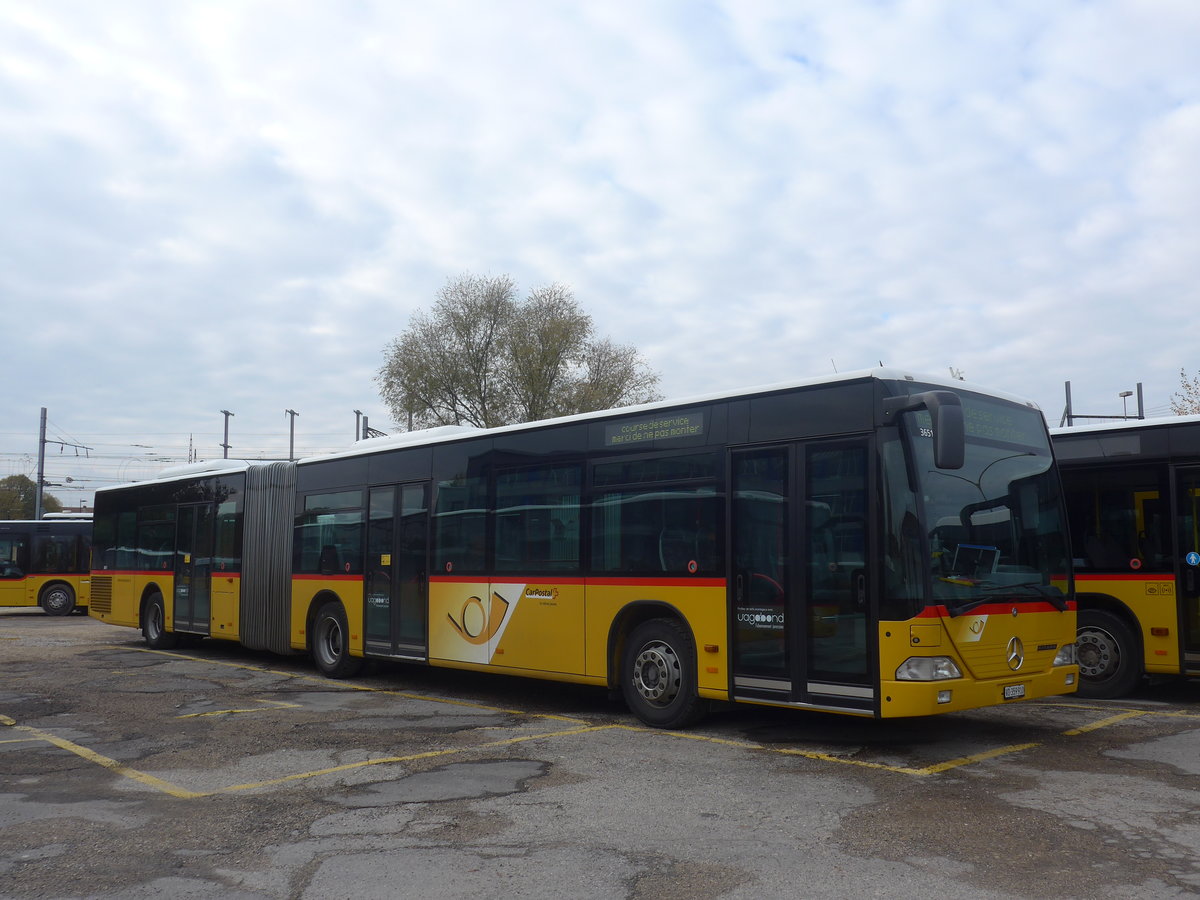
(330, 646)
(154, 625)
(58, 600)
(658, 675)
(1109, 664)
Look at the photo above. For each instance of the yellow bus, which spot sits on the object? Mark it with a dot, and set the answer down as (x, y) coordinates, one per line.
(1133, 498)
(45, 563)
(875, 544)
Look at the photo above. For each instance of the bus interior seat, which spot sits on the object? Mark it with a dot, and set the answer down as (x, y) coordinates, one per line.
(328, 562)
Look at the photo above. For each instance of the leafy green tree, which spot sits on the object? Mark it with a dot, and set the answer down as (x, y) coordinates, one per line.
(483, 357)
(18, 498)
(1186, 401)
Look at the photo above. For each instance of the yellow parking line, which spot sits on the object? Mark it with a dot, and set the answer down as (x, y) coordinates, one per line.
(932, 769)
(583, 728)
(1124, 714)
(174, 790)
(111, 764)
(1104, 723)
(428, 754)
(273, 704)
(351, 686)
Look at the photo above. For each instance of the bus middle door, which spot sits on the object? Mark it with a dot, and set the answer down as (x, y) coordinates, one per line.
(193, 567)
(799, 588)
(396, 578)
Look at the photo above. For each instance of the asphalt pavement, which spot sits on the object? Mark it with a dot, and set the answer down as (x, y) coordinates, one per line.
(213, 771)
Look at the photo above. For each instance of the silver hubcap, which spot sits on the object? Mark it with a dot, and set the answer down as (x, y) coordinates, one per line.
(57, 600)
(1099, 654)
(657, 674)
(330, 640)
(154, 620)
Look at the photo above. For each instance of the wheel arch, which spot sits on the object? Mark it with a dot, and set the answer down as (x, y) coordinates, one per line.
(1110, 604)
(319, 599)
(147, 592)
(53, 583)
(630, 617)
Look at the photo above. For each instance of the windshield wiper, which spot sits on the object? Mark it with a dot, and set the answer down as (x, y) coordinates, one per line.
(966, 606)
(1026, 589)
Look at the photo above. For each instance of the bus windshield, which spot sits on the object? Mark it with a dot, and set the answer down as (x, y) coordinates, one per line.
(993, 527)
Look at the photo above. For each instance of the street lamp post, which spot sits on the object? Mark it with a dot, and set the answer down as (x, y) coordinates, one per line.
(291, 433)
(1125, 395)
(226, 413)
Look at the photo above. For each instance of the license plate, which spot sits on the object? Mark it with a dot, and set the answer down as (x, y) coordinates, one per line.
(1014, 691)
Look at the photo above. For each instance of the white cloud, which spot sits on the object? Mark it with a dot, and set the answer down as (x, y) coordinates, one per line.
(219, 204)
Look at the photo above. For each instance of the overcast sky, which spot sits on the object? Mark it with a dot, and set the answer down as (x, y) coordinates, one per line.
(236, 205)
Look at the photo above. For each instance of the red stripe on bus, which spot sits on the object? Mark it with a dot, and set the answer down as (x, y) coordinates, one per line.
(999, 608)
(1126, 576)
(215, 573)
(605, 582)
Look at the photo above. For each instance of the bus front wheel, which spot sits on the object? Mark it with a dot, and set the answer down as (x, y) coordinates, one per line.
(1107, 651)
(658, 675)
(330, 647)
(58, 600)
(154, 625)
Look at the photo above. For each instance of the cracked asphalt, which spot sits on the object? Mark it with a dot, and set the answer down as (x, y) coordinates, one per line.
(218, 772)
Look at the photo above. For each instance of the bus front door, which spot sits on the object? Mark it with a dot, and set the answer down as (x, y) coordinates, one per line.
(396, 580)
(1187, 565)
(799, 588)
(193, 567)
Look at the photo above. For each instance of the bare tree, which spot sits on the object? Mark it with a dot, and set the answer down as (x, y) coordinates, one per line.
(546, 338)
(481, 357)
(1186, 401)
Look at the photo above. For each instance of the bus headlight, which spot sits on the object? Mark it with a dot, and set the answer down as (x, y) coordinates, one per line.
(1066, 655)
(927, 668)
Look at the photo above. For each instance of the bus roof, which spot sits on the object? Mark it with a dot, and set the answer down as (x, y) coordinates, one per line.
(445, 433)
(1160, 422)
(191, 470)
(47, 523)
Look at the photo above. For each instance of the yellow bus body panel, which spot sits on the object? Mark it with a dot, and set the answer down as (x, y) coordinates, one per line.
(561, 629)
(224, 597)
(979, 644)
(1151, 598)
(119, 598)
(26, 591)
(348, 591)
(703, 607)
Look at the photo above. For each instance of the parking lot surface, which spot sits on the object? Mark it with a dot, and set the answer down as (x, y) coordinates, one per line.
(213, 771)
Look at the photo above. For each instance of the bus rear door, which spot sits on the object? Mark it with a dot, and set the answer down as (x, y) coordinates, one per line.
(1187, 563)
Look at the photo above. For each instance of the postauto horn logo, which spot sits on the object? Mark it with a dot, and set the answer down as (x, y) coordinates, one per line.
(478, 623)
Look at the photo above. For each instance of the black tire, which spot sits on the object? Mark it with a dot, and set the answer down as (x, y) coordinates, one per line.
(154, 625)
(658, 675)
(330, 645)
(57, 599)
(1110, 661)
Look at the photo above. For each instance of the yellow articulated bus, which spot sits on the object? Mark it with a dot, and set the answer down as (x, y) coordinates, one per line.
(45, 563)
(874, 544)
(1133, 502)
